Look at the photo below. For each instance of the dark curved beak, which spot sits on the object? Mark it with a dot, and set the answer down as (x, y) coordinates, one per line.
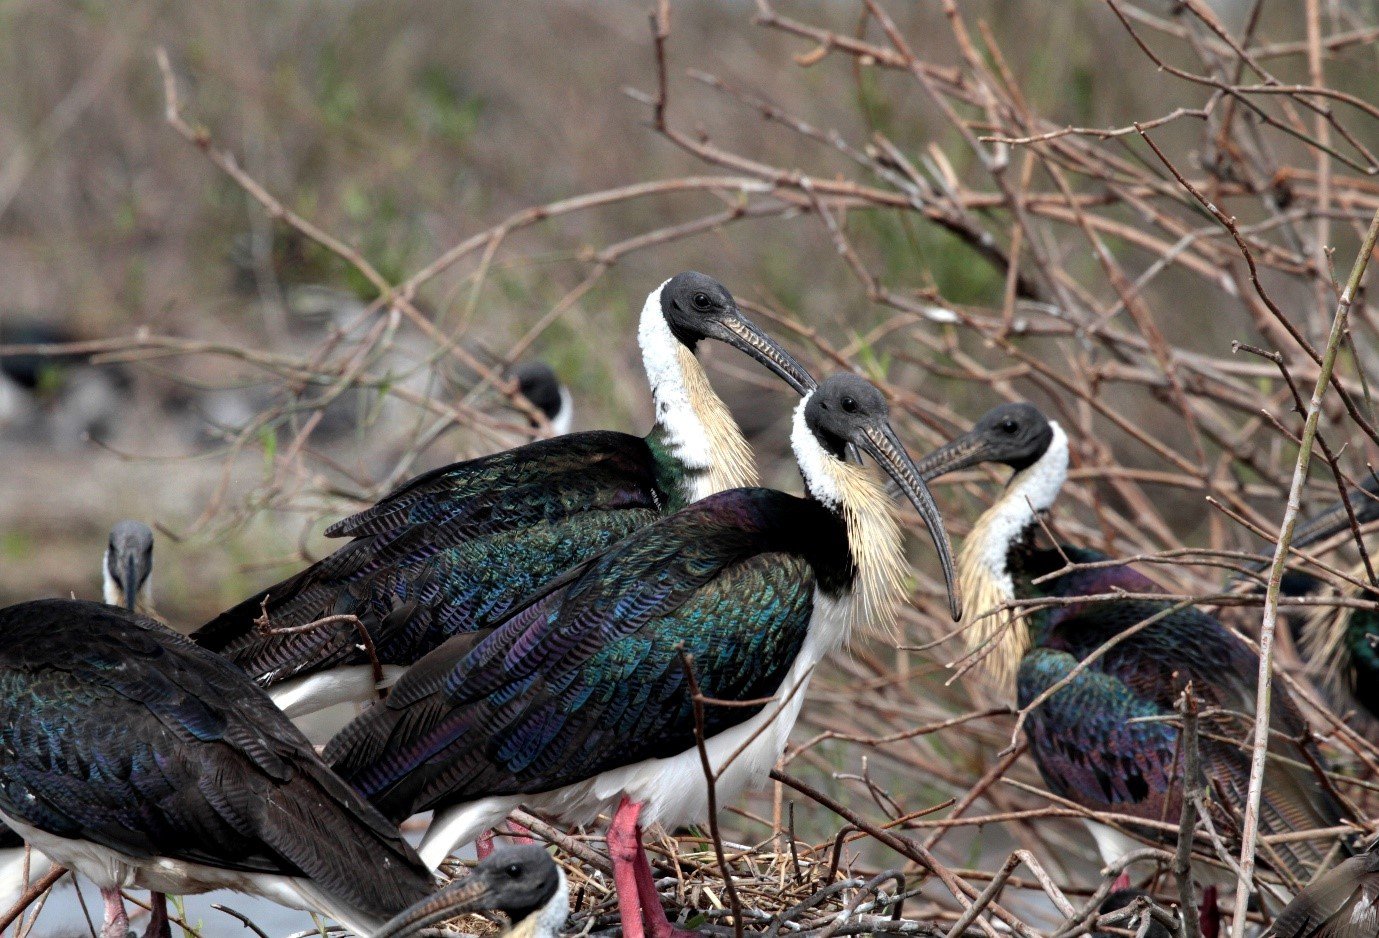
(131, 581)
(967, 450)
(881, 443)
(470, 894)
(744, 336)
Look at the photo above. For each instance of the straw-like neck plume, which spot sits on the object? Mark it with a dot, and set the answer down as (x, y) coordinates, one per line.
(874, 537)
(697, 426)
(984, 561)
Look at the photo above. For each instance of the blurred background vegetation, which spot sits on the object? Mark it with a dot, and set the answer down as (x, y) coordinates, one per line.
(402, 128)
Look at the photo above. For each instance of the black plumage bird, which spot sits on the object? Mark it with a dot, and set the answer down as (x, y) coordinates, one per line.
(1106, 739)
(138, 759)
(579, 702)
(126, 572)
(454, 549)
(523, 883)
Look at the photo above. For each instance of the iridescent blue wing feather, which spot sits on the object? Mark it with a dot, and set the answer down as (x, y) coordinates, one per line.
(591, 677)
(449, 552)
(1082, 736)
(115, 731)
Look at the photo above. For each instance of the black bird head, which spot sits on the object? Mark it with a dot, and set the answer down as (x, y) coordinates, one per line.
(696, 306)
(517, 881)
(537, 382)
(128, 562)
(1015, 434)
(848, 410)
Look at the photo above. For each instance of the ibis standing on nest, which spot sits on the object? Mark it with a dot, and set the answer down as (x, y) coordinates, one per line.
(1105, 740)
(452, 550)
(579, 703)
(137, 759)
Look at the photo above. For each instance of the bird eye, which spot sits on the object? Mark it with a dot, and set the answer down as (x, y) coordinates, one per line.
(1009, 426)
(513, 870)
(701, 301)
(849, 405)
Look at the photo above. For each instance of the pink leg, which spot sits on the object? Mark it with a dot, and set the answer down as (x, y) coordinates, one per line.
(625, 849)
(158, 924)
(483, 844)
(519, 834)
(1122, 882)
(116, 921)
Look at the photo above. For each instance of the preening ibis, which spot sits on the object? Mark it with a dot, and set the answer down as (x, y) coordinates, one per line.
(137, 759)
(452, 550)
(523, 883)
(1095, 740)
(578, 703)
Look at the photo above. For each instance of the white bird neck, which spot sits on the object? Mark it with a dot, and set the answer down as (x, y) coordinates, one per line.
(984, 561)
(698, 429)
(873, 531)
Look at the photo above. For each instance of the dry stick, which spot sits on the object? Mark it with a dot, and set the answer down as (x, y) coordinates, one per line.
(907, 847)
(1193, 785)
(687, 662)
(30, 894)
(1250, 824)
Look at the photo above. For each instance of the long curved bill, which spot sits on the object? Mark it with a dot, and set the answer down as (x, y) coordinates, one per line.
(470, 894)
(131, 582)
(745, 336)
(881, 444)
(967, 450)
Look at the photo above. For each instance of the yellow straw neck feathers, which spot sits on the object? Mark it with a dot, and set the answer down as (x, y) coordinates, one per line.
(733, 464)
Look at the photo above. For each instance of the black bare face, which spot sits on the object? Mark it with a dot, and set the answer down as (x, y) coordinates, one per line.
(1017, 435)
(129, 558)
(843, 409)
(693, 304)
(696, 306)
(1014, 434)
(520, 879)
(538, 384)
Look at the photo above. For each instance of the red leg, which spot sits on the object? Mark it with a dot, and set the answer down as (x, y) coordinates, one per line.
(158, 924)
(483, 844)
(116, 921)
(624, 849)
(638, 902)
(1122, 882)
(518, 833)
(652, 911)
